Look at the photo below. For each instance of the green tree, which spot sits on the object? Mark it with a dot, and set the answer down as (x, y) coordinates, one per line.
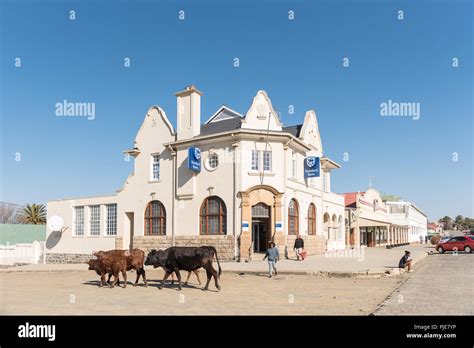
(459, 220)
(34, 214)
(446, 221)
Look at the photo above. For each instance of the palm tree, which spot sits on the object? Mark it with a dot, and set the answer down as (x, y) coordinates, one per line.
(34, 214)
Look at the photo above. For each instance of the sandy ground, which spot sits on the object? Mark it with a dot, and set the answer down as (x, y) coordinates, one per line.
(78, 293)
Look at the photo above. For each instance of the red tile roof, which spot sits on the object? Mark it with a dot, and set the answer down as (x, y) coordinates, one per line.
(350, 198)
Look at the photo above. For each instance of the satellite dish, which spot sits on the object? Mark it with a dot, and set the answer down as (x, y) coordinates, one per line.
(55, 223)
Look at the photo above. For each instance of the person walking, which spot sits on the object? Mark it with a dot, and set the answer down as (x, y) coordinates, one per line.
(273, 256)
(298, 247)
(406, 261)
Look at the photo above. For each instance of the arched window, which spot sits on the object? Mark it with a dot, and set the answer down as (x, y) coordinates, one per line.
(213, 216)
(340, 228)
(311, 219)
(327, 225)
(293, 215)
(155, 219)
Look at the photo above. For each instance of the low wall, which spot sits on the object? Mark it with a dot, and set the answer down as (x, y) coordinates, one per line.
(22, 253)
(68, 258)
(313, 244)
(223, 244)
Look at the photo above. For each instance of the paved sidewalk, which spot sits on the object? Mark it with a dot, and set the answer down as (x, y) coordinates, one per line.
(442, 285)
(359, 262)
(363, 261)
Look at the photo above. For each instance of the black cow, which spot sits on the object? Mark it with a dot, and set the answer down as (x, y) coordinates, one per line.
(188, 259)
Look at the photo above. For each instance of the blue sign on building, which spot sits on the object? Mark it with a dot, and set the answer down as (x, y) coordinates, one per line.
(194, 159)
(311, 167)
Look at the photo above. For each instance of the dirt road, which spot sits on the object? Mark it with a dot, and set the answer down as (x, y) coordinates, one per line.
(78, 293)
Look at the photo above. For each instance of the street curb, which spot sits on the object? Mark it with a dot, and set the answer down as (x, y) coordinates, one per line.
(324, 274)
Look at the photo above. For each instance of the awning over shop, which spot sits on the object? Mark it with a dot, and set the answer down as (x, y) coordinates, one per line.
(361, 222)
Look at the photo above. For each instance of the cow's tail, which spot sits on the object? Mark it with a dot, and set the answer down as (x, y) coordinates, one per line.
(218, 264)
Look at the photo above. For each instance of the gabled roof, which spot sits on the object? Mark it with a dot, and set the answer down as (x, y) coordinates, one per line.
(293, 130)
(223, 113)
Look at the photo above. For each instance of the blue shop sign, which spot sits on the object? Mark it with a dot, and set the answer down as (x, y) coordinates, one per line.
(194, 159)
(311, 167)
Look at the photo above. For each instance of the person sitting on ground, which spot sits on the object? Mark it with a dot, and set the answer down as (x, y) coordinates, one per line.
(298, 246)
(273, 256)
(406, 261)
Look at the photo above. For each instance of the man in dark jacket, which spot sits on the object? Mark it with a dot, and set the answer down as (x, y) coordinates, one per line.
(298, 246)
(405, 261)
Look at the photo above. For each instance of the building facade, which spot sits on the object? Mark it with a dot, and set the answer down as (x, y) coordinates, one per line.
(368, 222)
(434, 228)
(409, 215)
(236, 182)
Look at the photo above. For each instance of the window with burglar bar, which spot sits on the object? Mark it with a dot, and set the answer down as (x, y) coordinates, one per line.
(312, 219)
(79, 221)
(155, 219)
(94, 220)
(293, 216)
(267, 161)
(260, 210)
(213, 216)
(111, 219)
(155, 167)
(255, 159)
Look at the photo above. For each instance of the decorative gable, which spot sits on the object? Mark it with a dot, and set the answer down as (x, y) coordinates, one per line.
(310, 131)
(155, 126)
(261, 115)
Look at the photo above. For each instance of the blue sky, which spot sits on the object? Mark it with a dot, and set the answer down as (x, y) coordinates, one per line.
(297, 62)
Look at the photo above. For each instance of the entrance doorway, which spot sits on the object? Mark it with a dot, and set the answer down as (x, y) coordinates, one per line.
(352, 238)
(261, 234)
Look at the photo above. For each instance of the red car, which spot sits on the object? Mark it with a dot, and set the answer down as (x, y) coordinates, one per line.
(456, 244)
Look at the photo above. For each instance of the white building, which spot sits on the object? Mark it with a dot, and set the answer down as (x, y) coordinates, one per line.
(251, 187)
(367, 219)
(408, 214)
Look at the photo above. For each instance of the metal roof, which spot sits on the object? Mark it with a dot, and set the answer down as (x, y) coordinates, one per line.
(293, 130)
(221, 126)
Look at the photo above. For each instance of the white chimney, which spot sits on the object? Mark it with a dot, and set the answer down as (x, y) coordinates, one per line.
(188, 112)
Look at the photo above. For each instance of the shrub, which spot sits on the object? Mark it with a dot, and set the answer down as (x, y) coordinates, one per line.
(435, 239)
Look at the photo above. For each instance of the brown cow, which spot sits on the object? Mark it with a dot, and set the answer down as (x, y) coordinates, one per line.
(96, 265)
(112, 265)
(134, 257)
